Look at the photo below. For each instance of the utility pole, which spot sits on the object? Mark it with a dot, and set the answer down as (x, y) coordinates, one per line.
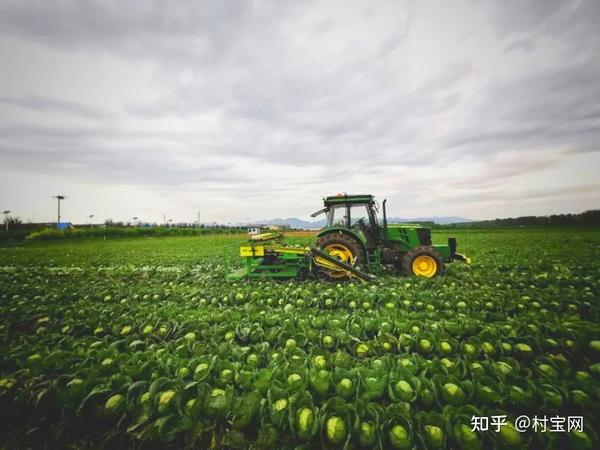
(59, 198)
(6, 213)
(164, 219)
(91, 216)
(198, 219)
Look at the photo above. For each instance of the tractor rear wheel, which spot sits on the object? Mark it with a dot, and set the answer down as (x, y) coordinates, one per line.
(342, 247)
(423, 261)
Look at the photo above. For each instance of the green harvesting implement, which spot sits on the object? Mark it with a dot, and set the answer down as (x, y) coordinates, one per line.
(352, 245)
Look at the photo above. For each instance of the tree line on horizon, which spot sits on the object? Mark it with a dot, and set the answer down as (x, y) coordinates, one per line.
(589, 218)
(18, 230)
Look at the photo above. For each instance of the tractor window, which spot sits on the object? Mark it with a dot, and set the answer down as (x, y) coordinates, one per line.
(358, 212)
(338, 216)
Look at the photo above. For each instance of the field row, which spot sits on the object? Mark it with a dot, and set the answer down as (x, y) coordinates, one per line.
(147, 345)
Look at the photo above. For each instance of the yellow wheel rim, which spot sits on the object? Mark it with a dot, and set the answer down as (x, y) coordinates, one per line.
(424, 266)
(343, 253)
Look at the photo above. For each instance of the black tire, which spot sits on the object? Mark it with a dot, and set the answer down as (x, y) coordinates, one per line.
(345, 240)
(422, 250)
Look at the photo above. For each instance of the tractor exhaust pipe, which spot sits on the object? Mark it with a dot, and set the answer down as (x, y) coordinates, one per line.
(384, 217)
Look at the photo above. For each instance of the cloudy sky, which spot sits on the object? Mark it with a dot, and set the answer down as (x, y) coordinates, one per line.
(257, 109)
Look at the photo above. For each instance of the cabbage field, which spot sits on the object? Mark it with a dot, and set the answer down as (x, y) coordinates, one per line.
(141, 343)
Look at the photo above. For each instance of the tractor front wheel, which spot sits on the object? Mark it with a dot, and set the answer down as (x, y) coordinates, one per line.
(423, 261)
(342, 247)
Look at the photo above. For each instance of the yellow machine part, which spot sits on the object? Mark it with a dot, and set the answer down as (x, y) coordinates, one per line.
(424, 266)
(344, 254)
(252, 250)
(339, 271)
(259, 250)
(265, 236)
(297, 251)
(339, 257)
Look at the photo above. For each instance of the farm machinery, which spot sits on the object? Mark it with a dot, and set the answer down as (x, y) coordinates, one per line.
(353, 244)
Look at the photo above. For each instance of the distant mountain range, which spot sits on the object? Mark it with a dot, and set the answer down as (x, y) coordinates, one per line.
(294, 222)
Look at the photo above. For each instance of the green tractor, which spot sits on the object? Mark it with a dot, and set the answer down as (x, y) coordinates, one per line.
(352, 245)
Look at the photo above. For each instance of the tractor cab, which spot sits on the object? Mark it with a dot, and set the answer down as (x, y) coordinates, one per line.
(355, 213)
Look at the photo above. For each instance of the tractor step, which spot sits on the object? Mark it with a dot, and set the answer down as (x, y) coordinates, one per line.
(374, 258)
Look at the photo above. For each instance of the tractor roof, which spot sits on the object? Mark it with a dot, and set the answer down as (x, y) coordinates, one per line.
(345, 198)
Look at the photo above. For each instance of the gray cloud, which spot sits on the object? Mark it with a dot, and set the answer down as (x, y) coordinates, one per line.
(541, 194)
(173, 32)
(525, 15)
(564, 19)
(557, 108)
(526, 45)
(98, 164)
(317, 95)
(42, 103)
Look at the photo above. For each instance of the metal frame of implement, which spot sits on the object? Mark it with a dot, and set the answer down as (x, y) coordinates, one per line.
(264, 260)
